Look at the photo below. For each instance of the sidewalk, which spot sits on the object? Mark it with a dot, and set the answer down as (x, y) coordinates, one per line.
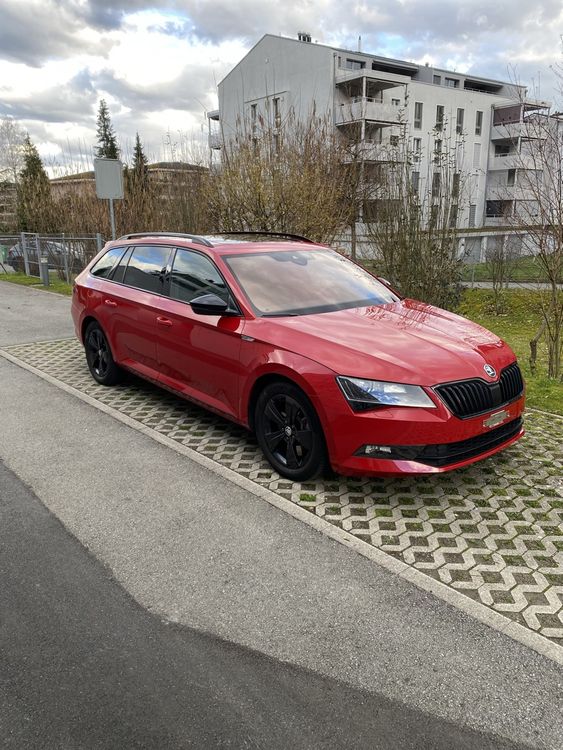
(200, 551)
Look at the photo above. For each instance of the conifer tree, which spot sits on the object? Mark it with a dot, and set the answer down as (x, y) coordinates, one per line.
(107, 142)
(34, 189)
(140, 172)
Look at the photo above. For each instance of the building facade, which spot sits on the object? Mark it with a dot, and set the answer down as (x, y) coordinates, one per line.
(380, 102)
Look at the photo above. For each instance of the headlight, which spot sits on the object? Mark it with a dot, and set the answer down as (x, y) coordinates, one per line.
(366, 394)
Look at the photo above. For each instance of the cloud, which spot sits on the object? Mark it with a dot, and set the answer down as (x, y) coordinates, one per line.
(158, 66)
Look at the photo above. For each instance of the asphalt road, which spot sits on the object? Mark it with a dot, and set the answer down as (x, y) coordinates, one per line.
(83, 666)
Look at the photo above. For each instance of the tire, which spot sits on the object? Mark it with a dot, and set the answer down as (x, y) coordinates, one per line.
(289, 432)
(99, 357)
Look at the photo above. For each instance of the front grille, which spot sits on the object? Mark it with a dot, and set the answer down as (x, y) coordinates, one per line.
(468, 398)
(449, 453)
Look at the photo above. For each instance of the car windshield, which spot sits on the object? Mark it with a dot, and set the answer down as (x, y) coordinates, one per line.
(301, 282)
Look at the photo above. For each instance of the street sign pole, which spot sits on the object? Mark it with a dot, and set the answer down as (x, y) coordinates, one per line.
(109, 184)
(112, 218)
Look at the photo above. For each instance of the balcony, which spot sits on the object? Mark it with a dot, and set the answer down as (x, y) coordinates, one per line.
(512, 160)
(215, 141)
(366, 108)
(369, 151)
(377, 78)
(502, 191)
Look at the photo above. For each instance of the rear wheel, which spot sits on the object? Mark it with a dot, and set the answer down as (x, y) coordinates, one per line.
(99, 357)
(289, 432)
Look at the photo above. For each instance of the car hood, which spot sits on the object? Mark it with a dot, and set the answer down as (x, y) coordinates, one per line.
(405, 341)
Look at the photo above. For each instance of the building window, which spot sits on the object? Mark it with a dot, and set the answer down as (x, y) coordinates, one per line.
(478, 122)
(437, 150)
(502, 149)
(498, 208)
(436, 181)
(476, 155)
(456, 181)
(459, 121)
(437, 80)
(354, 64)
(253, 116)
(415, 181)
(396, 102)
(433, 216)
(439, 116)
(511, 178)
(453, 217)
(453, 83)
(394, 140)
(277, 116)
(418, 115)
(416, 148)
(472, 214)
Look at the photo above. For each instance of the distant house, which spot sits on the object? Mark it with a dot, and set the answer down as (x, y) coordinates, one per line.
(164, 175)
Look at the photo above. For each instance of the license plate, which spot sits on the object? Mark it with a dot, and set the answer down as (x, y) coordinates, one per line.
(495, 419)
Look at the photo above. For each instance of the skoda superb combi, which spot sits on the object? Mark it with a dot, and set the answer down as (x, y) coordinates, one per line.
(323, 361)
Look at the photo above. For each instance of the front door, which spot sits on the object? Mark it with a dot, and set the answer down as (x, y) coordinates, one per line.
(199, 355)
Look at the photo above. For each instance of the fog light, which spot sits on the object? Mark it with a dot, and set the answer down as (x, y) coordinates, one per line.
(370, 449)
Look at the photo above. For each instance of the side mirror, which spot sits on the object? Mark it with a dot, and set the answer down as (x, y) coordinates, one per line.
(209, 304)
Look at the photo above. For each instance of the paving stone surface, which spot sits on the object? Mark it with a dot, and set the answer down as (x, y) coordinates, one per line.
(493, 531)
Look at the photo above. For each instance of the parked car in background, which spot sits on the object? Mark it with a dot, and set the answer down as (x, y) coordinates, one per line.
(323, 361)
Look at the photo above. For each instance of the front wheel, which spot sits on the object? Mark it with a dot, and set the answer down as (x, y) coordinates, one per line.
(289, 432)
(99, 357)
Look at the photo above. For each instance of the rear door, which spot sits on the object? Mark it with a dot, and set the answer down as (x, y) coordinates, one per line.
(199, 355)
(135, 299)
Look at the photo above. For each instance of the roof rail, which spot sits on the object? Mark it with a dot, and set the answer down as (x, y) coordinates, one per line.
(275, 234)
(193, 237)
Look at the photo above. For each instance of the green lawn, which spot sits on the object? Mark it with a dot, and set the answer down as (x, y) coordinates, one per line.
(55, 285)
(524, 269)
(517, 326)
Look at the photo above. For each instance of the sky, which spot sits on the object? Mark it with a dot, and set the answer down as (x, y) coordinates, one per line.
(158, 64)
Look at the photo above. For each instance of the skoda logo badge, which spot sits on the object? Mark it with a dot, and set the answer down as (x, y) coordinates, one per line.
(491, 372)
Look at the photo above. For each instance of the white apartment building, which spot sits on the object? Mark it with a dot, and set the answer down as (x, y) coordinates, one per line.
(380, 98)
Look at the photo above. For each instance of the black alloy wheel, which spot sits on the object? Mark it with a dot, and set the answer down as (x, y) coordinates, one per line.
(289, 432)
(99, 357)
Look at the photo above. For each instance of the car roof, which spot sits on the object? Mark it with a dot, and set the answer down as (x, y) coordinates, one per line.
(227, 242)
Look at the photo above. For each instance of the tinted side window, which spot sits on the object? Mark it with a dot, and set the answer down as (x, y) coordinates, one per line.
(105, 265)
(147, 268)
(194, 275)
(119, 271)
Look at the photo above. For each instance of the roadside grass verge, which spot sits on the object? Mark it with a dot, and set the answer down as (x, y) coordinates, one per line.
(55, 285)
(525, 269)
(517, 326)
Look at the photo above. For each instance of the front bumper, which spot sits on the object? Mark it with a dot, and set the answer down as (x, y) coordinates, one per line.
(418, 441)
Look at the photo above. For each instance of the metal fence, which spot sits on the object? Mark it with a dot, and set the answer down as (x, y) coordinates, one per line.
(40, 255)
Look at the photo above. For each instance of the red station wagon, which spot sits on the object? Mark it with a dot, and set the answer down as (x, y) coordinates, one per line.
(323, 361)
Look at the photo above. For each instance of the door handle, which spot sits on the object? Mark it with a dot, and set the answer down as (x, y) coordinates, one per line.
(164, 321)
(110, 303)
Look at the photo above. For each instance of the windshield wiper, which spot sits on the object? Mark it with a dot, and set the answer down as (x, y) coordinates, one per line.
(280, 315)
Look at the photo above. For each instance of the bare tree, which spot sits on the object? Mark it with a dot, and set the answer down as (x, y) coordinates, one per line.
(413, 220)
(285, 176)
(501, 256)
(12, 149)
(534, 207)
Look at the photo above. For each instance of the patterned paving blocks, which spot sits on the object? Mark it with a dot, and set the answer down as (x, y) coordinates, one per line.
(493, 531)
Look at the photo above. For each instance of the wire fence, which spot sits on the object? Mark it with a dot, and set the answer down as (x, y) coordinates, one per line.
(40, 255)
